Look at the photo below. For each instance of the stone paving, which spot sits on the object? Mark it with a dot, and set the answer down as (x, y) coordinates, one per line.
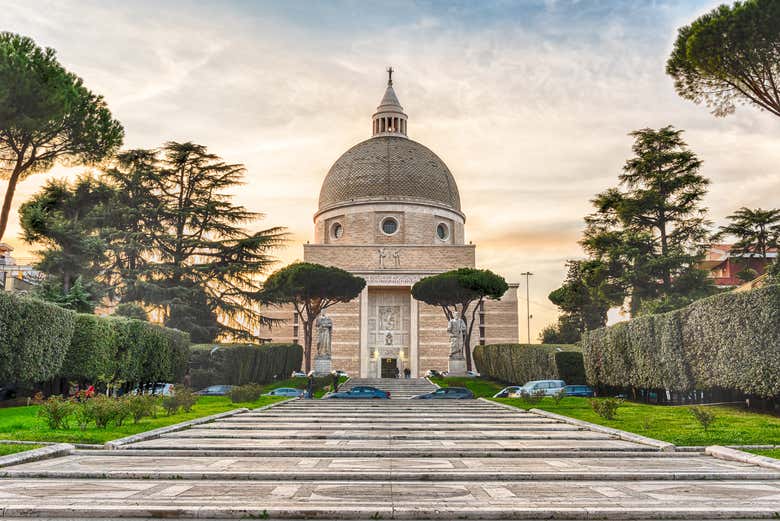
(387, 459)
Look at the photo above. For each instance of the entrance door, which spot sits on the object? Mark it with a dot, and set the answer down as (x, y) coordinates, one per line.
(389, 367)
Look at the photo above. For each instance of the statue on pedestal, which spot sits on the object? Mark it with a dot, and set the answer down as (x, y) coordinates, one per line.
(324, 335)
(457, 330)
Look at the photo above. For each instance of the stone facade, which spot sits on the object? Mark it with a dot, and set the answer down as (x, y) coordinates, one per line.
(389, 211)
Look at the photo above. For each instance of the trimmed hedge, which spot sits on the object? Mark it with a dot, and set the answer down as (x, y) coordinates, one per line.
(92, 352)
(239, 364)
(149, 352)
(728, 341)
(520, 363)
(34, 338)
(40, 341)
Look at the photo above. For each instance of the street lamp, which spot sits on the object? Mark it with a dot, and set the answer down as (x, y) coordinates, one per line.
(527, 275)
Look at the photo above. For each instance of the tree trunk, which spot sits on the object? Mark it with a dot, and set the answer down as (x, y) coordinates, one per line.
(469, 331)
(9, 196)
(307, 330)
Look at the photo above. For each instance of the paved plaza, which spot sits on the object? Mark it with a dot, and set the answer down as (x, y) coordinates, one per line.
(404, 459)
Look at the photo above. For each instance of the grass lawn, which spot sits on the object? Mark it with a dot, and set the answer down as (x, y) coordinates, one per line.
(23, 423)
(481, 387)
(11, 448)
(773, 453)
(732, 426)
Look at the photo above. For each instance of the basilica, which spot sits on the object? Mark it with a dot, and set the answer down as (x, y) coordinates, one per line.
(389, 211)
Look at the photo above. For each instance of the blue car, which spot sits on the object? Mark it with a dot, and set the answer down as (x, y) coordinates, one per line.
(447, 393)
(215, 390)
(579, 390)
(285, 391)
(361, 392)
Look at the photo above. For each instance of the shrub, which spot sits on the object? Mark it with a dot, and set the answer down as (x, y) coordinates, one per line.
(141, 405)
(520, 363)
(531, 398)
(103, 410)
(727, 341)
(606, 407)
(186, 398)
(171, 404)
(245, 393)
(34, 338)
(83, 414)
(703, 415)
(55, 410)
(559, 396)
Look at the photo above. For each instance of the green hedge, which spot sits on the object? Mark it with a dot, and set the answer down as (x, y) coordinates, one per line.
(34, 338)
(728, 341)
(40, 341)
(238, 364)
(92, 352)
(149, 352)
(520, 363)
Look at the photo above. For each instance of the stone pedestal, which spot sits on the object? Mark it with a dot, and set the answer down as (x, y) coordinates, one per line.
(457, 367)
(322, 366)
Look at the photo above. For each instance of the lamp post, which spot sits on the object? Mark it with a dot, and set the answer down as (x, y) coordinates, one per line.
(527, 275)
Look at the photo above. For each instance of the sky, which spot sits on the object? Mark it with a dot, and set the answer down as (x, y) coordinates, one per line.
(528, 102)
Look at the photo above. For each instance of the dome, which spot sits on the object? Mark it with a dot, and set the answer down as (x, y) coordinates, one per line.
(389, 169)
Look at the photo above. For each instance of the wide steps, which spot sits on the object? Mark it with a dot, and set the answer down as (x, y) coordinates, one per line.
(387, 459)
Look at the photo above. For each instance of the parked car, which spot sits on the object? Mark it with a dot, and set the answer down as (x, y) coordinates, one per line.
(549, 387)
(472, 374)
(285, 391)
(298, 374)
(447, 393)
(342, 373)
(215, 390)
(506, 391)
(7, 393)
(361, 392)
(580, 390)
(161, 389)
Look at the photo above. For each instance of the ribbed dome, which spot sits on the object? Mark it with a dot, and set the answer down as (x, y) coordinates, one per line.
(389, 168)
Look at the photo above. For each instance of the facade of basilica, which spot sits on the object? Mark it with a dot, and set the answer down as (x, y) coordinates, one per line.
(389, 211)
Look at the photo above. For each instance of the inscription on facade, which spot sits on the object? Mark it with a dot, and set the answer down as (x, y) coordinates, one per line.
(391, 280)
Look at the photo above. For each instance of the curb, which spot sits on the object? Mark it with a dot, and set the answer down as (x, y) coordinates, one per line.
(505, 406)
(623, 435)
(50, 451)
(264, 407)
(725, 453)
(154, 433)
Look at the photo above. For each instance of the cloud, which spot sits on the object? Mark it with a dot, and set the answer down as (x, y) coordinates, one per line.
(529, 103)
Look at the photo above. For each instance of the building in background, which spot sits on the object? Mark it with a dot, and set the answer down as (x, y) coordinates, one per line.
(723, 264)
(16, 277)
(389, 211)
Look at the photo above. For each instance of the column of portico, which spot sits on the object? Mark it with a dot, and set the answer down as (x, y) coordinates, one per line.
(413, 326)
(365, 352)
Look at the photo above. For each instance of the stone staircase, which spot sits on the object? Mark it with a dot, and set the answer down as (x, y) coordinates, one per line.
(399, 388)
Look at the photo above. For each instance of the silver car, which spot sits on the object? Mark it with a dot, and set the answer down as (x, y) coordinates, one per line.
(549, 387)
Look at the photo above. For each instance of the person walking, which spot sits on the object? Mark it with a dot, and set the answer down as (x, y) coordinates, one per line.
(335, 377)
(310, 387)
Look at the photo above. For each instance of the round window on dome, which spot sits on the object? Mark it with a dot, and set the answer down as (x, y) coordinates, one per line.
(336, 231)
(389, 226)
(443, 231)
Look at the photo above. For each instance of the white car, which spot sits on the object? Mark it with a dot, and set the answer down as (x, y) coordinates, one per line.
(549, 387)
(160, 389)
(298, 374)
